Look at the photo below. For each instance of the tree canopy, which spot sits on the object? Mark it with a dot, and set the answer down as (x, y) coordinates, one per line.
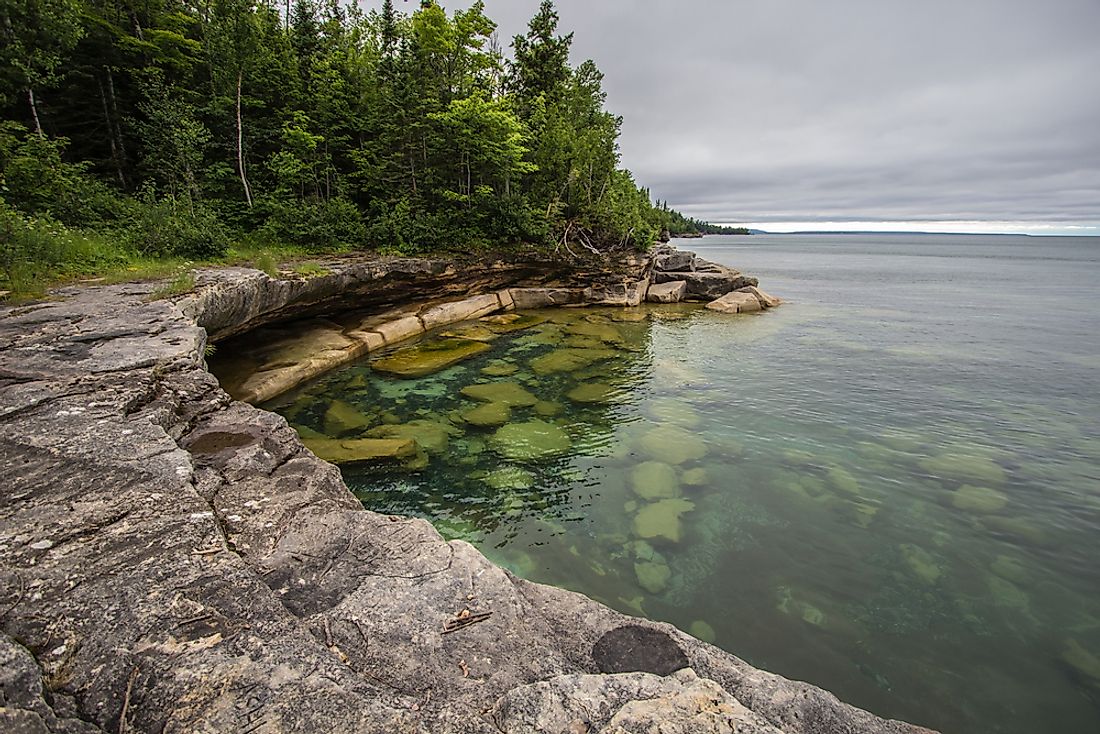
(313, 124)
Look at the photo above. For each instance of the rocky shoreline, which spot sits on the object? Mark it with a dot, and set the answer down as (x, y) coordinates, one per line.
(174, 560)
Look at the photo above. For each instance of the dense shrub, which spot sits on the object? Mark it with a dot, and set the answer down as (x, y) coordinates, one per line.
(169, 227)
(316, 226)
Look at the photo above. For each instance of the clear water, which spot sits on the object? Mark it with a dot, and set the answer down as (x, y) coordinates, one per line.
(889, 486)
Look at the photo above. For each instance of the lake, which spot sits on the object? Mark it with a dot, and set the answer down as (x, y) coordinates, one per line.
(888, 486)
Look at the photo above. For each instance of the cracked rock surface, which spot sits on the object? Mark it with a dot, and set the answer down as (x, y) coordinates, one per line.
(175, 561)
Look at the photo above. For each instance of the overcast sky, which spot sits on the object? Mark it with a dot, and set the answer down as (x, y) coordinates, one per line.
(798, 114)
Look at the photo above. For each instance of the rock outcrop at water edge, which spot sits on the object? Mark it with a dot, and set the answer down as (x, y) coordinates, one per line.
(174, 560)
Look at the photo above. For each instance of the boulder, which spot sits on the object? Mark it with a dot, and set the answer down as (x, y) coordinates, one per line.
(429, 435)
(468, 308)
(673, 445)
(671, 292)
(652, 480)
(766, 300)
(591, 392)
(674, 261)
(488, 414)
(545, 297)
(530, 441)
(661, 520)
(507, 393)
(708, 284)
(400, 329)
(351, 450)
(630, 293)
(431, 356)
(735, 302)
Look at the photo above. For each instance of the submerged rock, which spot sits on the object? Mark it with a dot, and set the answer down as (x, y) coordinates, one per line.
(701, 630)
(548, 409)
(964, 467)
(842, 480)
(1009, 568)
(428, 357)
(568, 360)
(591, 392)
(921, 563)
(673, 445)
(499, 369)
(653, 577)
(654, 480)
(605, 332)
(1082, 662)
(351, 450)
(978, 500)
(507, 393)
(342, 418)
(509, 477)
(508, 322)
(531, 440)
(661, 520)
(696, 477)
(671, 410)
(488, 414)
(429, 435)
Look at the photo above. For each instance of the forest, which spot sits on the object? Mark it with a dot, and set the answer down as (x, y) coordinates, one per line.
(170, 130)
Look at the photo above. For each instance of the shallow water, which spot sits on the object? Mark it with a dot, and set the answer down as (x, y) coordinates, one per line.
(888, 487)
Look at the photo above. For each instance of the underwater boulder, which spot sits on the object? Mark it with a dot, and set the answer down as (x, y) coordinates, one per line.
(653, 480)
(352, 450)
(661, 520)
(507, 393)
(568, 359)
(488, 414)
(921, 563)
(591, 392)
(978, 500)
(342, 417)
(428, 357)
(964, 468)
(653, 577)
(433, 437)
(672, 445)
(530, 440)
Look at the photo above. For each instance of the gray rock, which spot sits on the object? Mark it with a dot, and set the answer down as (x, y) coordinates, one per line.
(736, 302)
(708, 284)
(207, 573)
(671, 292)
(674, 261)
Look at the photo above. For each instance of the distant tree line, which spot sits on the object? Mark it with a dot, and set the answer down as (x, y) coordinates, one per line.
(182, 126)
(675, 223)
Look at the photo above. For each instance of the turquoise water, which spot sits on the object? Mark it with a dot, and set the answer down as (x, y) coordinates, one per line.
(889, 486)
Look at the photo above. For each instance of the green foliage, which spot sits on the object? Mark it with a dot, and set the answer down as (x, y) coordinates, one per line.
(266, 263)
(314, 226)
(182, 282)
(172, 128)
(170, 227)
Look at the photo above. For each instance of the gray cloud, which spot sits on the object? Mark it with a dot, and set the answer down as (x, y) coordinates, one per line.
(802, 110)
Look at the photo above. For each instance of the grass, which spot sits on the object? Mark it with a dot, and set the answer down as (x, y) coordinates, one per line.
(183, 282)
(37, 255)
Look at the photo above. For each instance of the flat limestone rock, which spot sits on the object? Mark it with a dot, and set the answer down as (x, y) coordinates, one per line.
(506, 393)
(568, 360)
(736, 302)
(342, 417)
(531, 440)
(351, 450)
(431, 436)
(661, 520)
(978, 500)
(964, 467)
(432, 356)
(766, 300)
(488, 414)
(671, 292)
(672, 445)
(591, 392)
(653, 480)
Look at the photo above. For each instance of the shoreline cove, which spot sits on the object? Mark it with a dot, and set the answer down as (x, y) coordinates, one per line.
(176, 559)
